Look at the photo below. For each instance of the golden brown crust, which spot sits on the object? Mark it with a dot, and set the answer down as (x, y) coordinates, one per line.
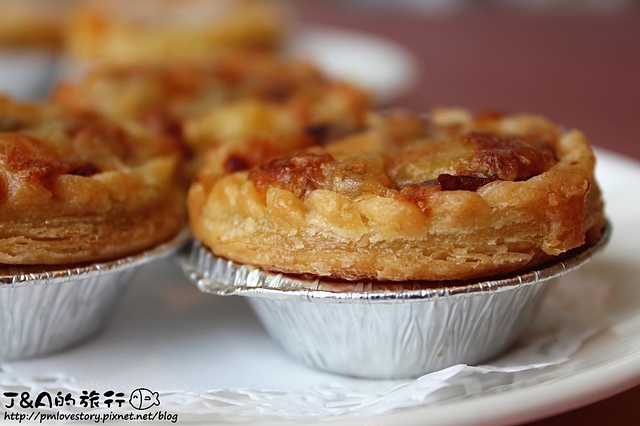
(162, 31)
(451, 197)
(246, 107)
(75, 188)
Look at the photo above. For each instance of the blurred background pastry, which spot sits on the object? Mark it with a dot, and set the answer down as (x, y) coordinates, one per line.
(34, 23)
(31, 37)
(172, 31)
(246, 107)
(83, 203)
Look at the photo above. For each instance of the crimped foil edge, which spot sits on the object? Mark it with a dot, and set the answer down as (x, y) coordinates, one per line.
(220, 276)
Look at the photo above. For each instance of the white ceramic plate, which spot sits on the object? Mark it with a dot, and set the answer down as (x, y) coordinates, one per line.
(198, 349)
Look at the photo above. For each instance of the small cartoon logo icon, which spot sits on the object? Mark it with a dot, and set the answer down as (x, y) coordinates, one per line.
(143, 399)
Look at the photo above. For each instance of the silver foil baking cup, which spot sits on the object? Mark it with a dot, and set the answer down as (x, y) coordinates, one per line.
(47, 309)
(385, 330)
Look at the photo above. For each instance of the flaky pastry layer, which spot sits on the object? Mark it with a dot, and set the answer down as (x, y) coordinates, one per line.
(75, 188)
(449, 197)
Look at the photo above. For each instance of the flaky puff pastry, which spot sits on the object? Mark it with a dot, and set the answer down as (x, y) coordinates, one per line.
(74, 188)
(246, 107)
(449, 197)
(172, 31)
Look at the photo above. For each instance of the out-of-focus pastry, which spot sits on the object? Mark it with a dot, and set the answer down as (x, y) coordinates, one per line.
(34, 23)
(31, 37)
(172, 31)
(449, 197)
(76, 188)
(247, 108)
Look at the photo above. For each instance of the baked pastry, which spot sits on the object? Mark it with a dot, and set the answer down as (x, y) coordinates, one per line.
(253, 105)
(34, 23)
(449, 197)
(172, 31)
(75, 188)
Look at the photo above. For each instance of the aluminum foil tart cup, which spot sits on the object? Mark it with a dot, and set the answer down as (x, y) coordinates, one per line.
(43, 310)
(385, 330)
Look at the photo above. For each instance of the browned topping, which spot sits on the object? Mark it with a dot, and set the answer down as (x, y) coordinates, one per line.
(85, 170)
(414, 166)
(357, 177)
(259, 151)
(236, 163)
(322, 134)
(232, 70)
(168, 131)
(4, 190)
(180, 81)
(507, 158)
(259, 76)
(276, 92)
(48, 143)
(228, 76)
(91, 136)
(9, 123)
(300, 174)
(403, 126)
(30, 160)
(448, 182)
(319, 133)
(418, 194)
(162, 122)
